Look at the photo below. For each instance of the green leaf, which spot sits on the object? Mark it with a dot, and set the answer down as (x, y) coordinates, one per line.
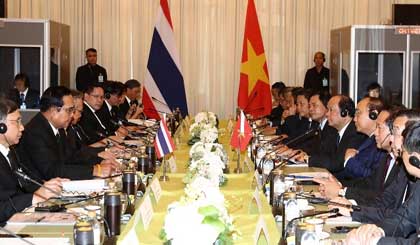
(209, 210)
(214, 222)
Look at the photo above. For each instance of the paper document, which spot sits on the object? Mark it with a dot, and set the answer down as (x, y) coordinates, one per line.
(37, 241)
(80, 187)
(42, 218)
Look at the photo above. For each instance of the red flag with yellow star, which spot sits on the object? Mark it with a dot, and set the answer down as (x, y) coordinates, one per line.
(254, 95)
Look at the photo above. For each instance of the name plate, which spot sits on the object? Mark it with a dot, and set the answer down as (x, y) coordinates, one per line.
(258, 179)
(146, 211)
(156, 189)
(256, 196)
(261, 228)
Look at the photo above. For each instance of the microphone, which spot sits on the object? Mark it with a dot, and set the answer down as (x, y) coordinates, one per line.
(126, 149)
(308, 134)
(318, 200)
(125, 122)
(21, 174)
(121, 124)
(284, 232)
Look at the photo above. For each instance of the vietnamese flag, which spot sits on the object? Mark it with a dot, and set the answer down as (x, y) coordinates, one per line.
(254, 95)
(242, 133)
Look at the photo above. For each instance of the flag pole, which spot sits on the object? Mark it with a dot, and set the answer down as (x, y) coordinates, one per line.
(238, 168)
(164, 177)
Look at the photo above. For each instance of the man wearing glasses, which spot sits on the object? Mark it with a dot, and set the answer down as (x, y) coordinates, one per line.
(90, 122)
(15, 193)
(45, 144)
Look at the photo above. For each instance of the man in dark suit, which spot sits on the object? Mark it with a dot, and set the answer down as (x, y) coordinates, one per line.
(402, 226)
(108, 113)
(325, 141)
(299, 123)
(22, 94)
(44, 140)
(340, 115)
(390, 185)
(131, 107)
(364, 190)
(277, 111)
(361, 162)
(91, 72)
(90, 122)
(15, 193)
(317, 78)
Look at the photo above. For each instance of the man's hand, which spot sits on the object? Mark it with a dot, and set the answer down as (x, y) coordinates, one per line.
(342, 210)
(43, 194)
(269, 131)
(350, 153)
(365, 234)
(106, 155)
(103, 170)
(329, 187)
(301, 157)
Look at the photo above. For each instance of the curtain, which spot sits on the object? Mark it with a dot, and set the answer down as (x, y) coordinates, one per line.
(209, 37)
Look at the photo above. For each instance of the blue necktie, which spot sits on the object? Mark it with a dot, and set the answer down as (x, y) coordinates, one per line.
(22, 98)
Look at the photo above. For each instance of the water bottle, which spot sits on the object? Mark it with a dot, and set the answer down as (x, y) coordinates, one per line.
(309, 236)
(96, 227)
(83, 232)
(113, 210)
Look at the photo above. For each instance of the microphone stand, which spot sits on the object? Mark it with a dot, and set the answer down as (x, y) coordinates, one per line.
(283, 239)
(26, 177)
(164, 177)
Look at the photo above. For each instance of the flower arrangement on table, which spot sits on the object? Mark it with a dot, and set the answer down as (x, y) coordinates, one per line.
(205, 219)
(204, 216)
(204, 128)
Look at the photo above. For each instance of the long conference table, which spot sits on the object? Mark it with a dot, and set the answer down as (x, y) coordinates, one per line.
(239, 193)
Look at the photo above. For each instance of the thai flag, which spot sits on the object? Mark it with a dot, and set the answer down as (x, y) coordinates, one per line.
(163, 141)
(164, 82)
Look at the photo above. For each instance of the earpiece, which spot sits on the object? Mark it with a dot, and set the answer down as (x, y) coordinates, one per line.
(414, 161)
(3, 128)
(344, 112)
(373, 114)
(107, 95)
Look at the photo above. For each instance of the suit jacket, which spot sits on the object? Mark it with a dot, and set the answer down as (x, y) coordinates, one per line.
(294, 126)
(323, 143)
(77, 152)
(366, 189)
(46, 154)
(334, 161)
(108, 118)
(275, 116)
(123, 109)
(364, 162)
(13, 195)
(91, 126)
(88, 74)
(389, 200)
(31, 98)
(402, 225)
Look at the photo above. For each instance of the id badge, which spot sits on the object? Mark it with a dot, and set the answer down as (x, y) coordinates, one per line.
(324, 82)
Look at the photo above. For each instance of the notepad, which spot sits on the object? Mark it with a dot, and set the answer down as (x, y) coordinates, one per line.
(37, 240)
(83, 187)
(42, 218)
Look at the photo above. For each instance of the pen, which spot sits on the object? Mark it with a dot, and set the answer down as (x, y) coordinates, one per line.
(40, 219)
